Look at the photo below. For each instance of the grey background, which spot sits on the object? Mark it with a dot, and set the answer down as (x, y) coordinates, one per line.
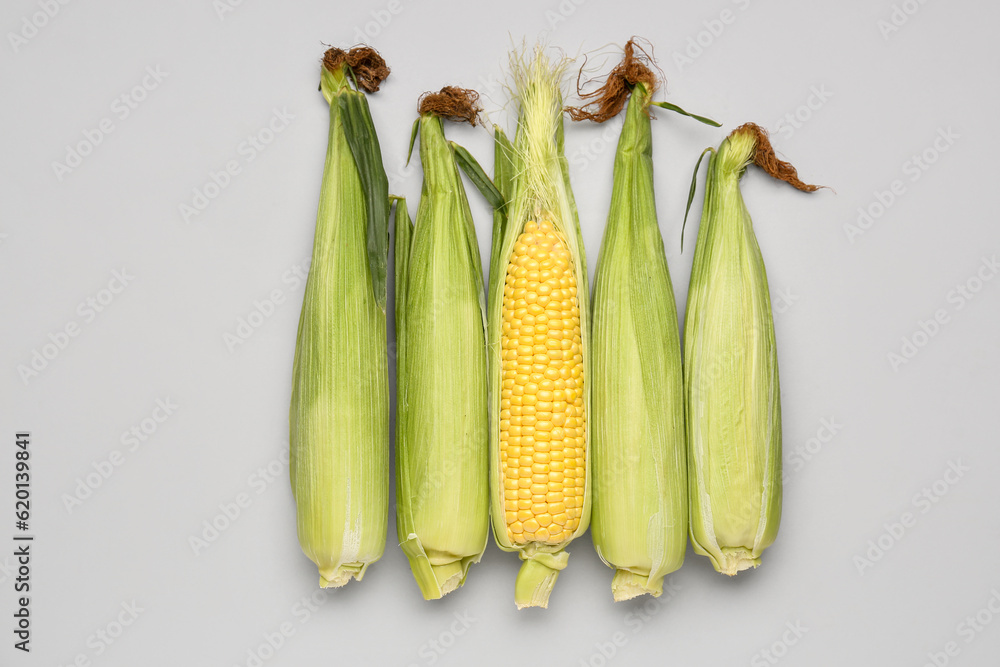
(851, 304)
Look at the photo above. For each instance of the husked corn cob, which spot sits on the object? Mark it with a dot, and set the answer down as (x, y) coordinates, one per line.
(538, 336)
(340, 395)
(542, 439)
(442, 477)
(640, 509)
(731, 368)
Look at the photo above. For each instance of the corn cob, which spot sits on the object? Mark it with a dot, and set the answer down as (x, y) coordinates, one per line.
(442, 479)
(640, 509)
(340, 396)
(731, 368)
(538, 343)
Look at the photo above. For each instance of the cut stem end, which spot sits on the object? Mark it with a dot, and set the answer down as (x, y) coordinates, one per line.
(537, 576)
(534, 585)
(734, 562)
(628, 585)
(340, 576)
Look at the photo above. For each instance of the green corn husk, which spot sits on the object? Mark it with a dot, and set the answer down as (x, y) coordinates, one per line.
(339, 413)
(731, 368)
(640, 506)
(442, 479)
(533, 176)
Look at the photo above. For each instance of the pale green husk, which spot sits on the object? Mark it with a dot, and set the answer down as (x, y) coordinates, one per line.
(533, 175)
(339, 413)
(442, 479)
(640, 512)
(731, 377)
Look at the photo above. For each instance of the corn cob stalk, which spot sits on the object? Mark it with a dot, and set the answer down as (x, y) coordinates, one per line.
(538, 343)
(442, 479)
(731, 368)
(340, 396)
(640, 509)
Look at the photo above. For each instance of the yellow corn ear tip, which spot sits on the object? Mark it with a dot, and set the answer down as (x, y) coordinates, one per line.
(538, 88)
